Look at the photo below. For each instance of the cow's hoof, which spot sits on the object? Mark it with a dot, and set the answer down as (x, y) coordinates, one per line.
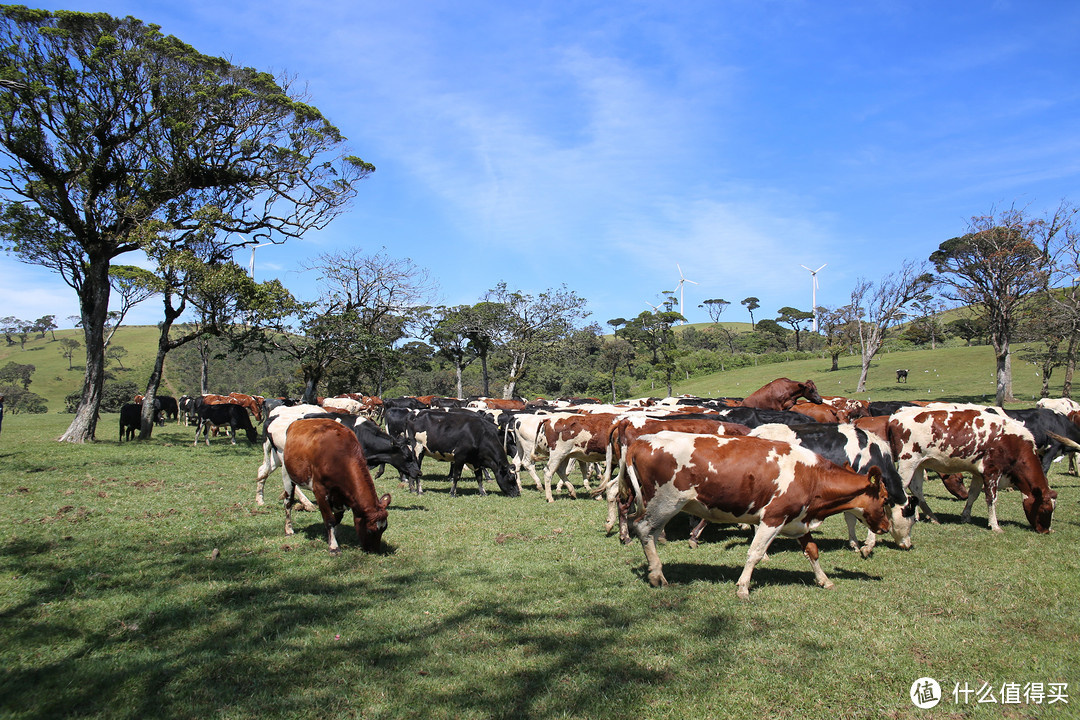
(997, 530)
(866, 552)
(657, 580)
(828, 585)
(335, 552)
(693, 543)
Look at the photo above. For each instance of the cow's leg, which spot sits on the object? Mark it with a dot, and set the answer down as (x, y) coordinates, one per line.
(990, 486)
(232, 426)
(612, 497)
(973, 494)
(289, 498)
(455, 474)
(564, 474)
(553, 463)
(480, 479)
(916, 488)
(665, 504)
(267, 467)
(763, 537)
(852, 539)
(696, 528)
(586, 470)
(330, 520)
(810, 549)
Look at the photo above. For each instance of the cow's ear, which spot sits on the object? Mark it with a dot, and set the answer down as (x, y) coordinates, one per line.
(875, 475)
(384, 501)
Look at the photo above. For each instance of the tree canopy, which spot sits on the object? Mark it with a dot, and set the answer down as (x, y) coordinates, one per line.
(113, 135)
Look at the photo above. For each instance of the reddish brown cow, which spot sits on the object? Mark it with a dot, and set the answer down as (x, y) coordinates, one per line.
(997, 450)
(325, 457)
(846, 408)
(781, 488)
(253, 405)
(818, 413)
(497, 404)
(781, 394)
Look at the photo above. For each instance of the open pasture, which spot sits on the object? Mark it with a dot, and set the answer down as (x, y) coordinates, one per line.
(115, 603)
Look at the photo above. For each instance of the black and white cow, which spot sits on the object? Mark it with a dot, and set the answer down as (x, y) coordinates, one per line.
(754, 417)
(460, 438)
(846, 444)
(235, 416)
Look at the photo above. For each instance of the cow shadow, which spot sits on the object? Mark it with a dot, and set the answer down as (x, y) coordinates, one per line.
(724, 574)
(346, 537)
(977, 521)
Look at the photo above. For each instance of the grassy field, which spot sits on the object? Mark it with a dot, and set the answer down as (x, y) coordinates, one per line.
(947, 373)
(115, 604)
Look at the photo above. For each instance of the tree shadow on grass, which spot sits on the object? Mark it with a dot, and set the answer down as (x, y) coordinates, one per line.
(259, 623)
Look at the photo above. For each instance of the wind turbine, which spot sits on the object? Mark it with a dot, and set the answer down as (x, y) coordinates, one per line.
(813, 291)
(253, 249)
(679, 287)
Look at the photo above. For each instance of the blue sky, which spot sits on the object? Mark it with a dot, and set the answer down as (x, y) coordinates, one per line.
(597, 144)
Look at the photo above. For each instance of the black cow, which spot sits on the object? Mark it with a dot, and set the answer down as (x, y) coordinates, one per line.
(754, 417)
(397, 420)
(130, 420)
(887, 407)
(381, 449)
(901, 375)
(235, 416)
(460, 438)
(170, 409)
(1044, 424)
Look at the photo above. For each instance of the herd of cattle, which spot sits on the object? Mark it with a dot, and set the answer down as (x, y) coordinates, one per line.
(782, 459)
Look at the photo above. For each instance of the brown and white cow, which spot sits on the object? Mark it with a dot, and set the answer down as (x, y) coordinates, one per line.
(325, 457)
(781, 488)
(624, 431)
(781, 394)
(581, 437)
(995, 449)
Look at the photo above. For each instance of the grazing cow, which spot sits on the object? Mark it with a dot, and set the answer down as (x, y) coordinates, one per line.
(997, 450)
(326, 458)
(460, 438)
(781, 488)
(130, 420)
(235, 416)
(1052, 432)
(901, 376)
(379, 448)
(860, 449)
(781, 394)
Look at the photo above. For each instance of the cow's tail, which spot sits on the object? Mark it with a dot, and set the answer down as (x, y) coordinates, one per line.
(630, 488)
(609, 460)
(539, 431)
(1064, 440)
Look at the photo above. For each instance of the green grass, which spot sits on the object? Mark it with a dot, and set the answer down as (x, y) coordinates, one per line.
(113, 605)
(953, 373)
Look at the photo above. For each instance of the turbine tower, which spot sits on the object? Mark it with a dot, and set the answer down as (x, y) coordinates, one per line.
(682, 280)
(253, 249)
(813, 291)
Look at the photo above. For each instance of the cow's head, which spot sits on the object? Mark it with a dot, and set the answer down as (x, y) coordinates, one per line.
(412, 465)
(505, 479)
(1039, 507)
(371, 526)
(810, 392)
(875, 512)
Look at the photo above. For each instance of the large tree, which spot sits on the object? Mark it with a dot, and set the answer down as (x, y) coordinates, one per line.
(112, 134)
(530, 326)
(994, 268)
(877, 307)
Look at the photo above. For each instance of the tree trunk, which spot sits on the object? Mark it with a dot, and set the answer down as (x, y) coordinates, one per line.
(93, 309)
(484, 373)
(1003, 374)
(457, 375)
(1070, 367)
(835, 362)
